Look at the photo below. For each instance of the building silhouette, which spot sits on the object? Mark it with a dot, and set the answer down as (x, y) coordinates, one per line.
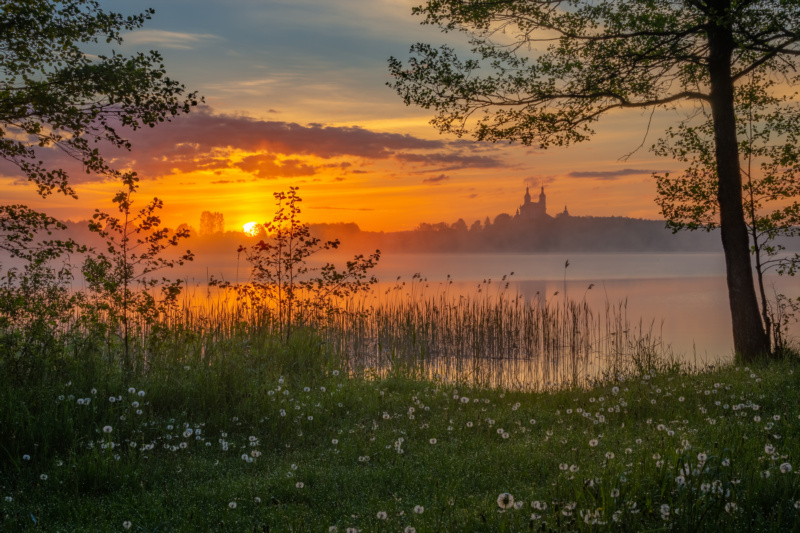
(531, 210)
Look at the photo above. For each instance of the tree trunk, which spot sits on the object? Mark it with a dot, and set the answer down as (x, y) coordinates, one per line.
(750, 341)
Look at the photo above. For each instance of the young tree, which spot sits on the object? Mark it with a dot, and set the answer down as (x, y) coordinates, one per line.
(281, 277)
(769, 130)
(120, 278)
(591, 57)
(57, 98)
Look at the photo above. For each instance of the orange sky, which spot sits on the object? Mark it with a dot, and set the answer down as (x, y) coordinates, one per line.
(296, 95)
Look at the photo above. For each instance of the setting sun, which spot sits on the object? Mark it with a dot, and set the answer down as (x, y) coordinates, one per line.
(251, 228)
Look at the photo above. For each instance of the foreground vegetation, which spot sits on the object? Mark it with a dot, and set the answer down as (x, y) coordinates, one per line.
(243, 432)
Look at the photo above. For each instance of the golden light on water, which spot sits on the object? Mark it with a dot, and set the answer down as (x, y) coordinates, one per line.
(251, 228)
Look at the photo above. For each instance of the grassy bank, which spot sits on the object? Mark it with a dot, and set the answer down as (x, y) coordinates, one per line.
(253, 435)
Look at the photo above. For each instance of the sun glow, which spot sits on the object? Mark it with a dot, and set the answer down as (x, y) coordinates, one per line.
(251, 228)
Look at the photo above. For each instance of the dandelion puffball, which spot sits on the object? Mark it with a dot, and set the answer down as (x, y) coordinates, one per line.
(505, 500)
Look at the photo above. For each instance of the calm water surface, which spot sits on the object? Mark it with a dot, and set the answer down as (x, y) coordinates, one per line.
(683, 294)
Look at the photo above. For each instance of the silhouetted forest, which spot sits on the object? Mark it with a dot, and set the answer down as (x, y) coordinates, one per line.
(503, 234)
(507, 234)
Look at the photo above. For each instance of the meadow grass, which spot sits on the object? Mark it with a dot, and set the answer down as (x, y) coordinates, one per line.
(224, 428)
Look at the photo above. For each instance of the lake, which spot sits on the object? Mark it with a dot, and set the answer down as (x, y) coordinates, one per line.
(683, 294)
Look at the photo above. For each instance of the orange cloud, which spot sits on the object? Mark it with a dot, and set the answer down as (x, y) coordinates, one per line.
(266, 166)
(205, 141)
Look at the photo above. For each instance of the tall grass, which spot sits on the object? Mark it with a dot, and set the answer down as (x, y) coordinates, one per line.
(500, 339)
(489, 339)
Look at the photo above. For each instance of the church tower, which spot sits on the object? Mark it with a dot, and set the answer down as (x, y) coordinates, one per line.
(531, 210)
(542, 202)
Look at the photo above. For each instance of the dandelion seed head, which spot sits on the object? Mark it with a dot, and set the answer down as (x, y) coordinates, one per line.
(505, 500)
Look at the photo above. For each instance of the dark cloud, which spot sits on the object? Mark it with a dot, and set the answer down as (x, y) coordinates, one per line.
(205, 141)
(204, 129)
(611, 174)
(438, 179)
(451, 161)
(266, 166)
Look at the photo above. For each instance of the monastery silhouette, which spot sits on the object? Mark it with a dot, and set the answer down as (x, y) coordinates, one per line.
(536, 210)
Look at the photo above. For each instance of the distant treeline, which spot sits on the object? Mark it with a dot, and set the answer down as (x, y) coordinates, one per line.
(504, 234)
(507, 234)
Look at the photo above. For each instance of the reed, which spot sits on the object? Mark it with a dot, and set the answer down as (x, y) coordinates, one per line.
(494, 337)
(499, 339)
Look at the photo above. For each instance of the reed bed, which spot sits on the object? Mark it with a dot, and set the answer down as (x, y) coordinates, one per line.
(499, 340)
(488, 339)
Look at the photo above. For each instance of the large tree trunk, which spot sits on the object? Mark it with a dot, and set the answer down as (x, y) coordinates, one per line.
(750, 340)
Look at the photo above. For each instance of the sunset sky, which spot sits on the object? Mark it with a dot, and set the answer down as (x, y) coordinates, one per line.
(295, 95)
